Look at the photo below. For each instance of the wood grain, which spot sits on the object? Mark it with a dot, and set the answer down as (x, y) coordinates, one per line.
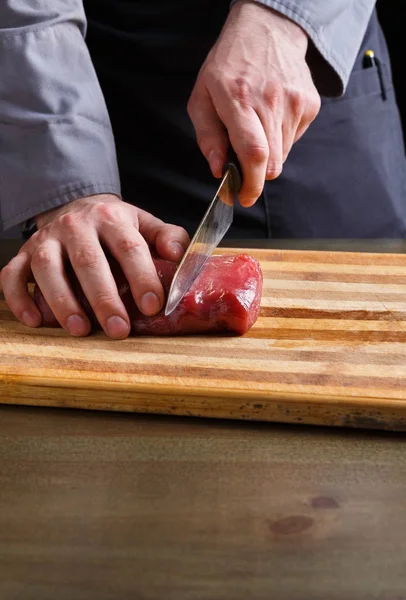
(328, 348)
(106, 506)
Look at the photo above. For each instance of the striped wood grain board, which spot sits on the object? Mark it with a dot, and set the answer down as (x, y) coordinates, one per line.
(328, 348)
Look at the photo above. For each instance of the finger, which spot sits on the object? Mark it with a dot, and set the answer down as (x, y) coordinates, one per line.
(305, 109)
(131, 250)
(96, 279)
(287, 140)
(299, 133)
(49, 273)
(273, 128)
(303, 127)
(248, 138)
(291, 121)
(170, 241)
(309, 110)
(291, 133)
(211, 134)
(276, 156)
(14, 278)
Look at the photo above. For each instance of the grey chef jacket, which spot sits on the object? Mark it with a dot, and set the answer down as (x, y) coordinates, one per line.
(141, 58)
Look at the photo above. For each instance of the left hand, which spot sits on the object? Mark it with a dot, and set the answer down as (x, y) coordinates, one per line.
(254, 90)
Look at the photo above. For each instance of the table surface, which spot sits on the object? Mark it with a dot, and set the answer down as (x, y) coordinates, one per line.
(114, 506)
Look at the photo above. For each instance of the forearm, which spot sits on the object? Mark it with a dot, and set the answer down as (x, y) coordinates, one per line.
(335, 29)
(56, 139)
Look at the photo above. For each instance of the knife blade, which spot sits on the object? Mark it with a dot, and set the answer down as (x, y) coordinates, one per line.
(210, 232)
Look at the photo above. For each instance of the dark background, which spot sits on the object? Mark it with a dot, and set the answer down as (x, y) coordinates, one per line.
(390, 17)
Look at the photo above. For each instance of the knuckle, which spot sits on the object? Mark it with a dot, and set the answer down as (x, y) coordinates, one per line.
(180, 232)
(274, 169)
(59, 303)
(41, 235)
(103, 303)
(68, 222)
(155, 234)
(108, 212)
(273, 95)
(304, 103)
(314, 106)
(191, 106)
(253, 191)
(41, 259)
(127, 244)
(142, 281)
(255, 154)
(11, 269)
(86, 256)
(204, 142)
(6, 272)
(250, 196)
(38, 237)
(10, 266)
(241, 90)
(298, 102)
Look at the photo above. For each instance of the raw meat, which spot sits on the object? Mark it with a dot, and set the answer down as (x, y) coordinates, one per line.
(224, 298)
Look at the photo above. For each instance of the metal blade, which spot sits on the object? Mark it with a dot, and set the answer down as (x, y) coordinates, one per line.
(209, 234)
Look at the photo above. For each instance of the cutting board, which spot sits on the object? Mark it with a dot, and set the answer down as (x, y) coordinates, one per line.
(328, 348)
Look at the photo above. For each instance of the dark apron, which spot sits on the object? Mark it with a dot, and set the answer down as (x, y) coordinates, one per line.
(346, 178)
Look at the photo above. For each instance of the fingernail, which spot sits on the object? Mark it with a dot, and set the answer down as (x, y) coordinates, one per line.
(117, 327)
(177, 248)
(215, 163)
(150, 304)
(76, 325)
(31, 318)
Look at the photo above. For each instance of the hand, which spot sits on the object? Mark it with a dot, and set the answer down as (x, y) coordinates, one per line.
(254, 90)
(76, 232)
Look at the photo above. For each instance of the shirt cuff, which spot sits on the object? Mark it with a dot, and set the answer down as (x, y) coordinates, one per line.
(49, 166)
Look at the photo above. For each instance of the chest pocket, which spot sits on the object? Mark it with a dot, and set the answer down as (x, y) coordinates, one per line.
(372, 81)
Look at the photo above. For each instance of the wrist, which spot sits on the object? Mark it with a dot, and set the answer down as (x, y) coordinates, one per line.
(272, 22)
(46, 217)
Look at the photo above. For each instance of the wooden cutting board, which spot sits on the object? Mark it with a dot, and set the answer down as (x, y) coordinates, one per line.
(328, 348)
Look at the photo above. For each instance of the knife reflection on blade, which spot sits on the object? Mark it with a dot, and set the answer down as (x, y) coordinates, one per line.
(210, 232)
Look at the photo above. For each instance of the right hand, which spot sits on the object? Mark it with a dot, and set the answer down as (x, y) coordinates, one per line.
(255, 91)
(75, 232)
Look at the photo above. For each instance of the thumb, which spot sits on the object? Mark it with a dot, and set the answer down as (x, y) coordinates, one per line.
(211, 134)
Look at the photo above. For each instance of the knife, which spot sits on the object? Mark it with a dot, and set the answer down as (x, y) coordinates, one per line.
(210, 232)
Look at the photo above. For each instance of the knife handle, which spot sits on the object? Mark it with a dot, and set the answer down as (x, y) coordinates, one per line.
(234, 165)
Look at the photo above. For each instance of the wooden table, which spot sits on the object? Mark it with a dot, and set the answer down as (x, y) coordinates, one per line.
(114, 506)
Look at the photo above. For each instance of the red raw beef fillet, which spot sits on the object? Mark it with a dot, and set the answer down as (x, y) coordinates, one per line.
(225, 297)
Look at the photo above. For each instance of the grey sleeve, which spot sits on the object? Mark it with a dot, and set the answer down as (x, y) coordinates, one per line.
(56, 141)
(336, 29)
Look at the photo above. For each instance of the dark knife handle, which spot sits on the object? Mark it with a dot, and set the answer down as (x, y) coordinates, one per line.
(233, 164)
